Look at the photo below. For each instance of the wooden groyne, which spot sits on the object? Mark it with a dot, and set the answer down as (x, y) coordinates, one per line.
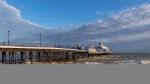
(32, 55)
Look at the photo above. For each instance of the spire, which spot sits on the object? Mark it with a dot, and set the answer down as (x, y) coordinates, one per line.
(101, 43)
(90, 45)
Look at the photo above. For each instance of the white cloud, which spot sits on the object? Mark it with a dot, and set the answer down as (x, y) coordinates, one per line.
(128, 26)
(131, 22)
(10, 19)
(8, 10)
(123, 29)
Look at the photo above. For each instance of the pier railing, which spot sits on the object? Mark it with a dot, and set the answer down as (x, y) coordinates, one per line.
(28, 44)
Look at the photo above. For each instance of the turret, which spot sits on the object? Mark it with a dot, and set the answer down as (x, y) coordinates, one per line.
(102, 48)
(100, 43)
(91, 48)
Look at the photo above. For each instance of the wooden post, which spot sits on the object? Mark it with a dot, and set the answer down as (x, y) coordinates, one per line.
(43, 57)
(53, 55)
(9, 57)
(12, 57)
(15, 58)
(3, 57)
(46, 57)
(31, 57)
(39, 57)
(49, 56)
(21, 57)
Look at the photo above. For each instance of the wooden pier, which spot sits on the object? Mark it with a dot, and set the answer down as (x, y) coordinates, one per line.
(34, 55)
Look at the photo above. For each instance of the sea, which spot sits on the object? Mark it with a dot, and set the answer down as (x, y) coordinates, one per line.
(117, 58)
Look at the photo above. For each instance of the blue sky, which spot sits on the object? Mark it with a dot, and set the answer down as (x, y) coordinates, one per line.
(129, 25)
(54, 13)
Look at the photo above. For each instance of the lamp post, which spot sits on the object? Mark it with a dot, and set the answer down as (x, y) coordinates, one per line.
(59, 40)
(40, 40)
(23, 42)
(8, 36)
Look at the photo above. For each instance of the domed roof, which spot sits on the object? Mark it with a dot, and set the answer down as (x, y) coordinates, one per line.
(101, 46)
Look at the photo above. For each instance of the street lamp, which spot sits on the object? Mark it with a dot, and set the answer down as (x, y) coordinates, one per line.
(40, 40)
(8, 36)
(23, 42)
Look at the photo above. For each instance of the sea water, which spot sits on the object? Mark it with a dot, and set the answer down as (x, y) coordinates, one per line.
(118, 58)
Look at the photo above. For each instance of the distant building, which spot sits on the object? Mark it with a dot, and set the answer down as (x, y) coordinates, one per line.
(102, 48)
(91, 49)
(79, 47)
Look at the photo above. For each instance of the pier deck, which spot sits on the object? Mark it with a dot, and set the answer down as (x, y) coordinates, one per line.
(23, 55)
